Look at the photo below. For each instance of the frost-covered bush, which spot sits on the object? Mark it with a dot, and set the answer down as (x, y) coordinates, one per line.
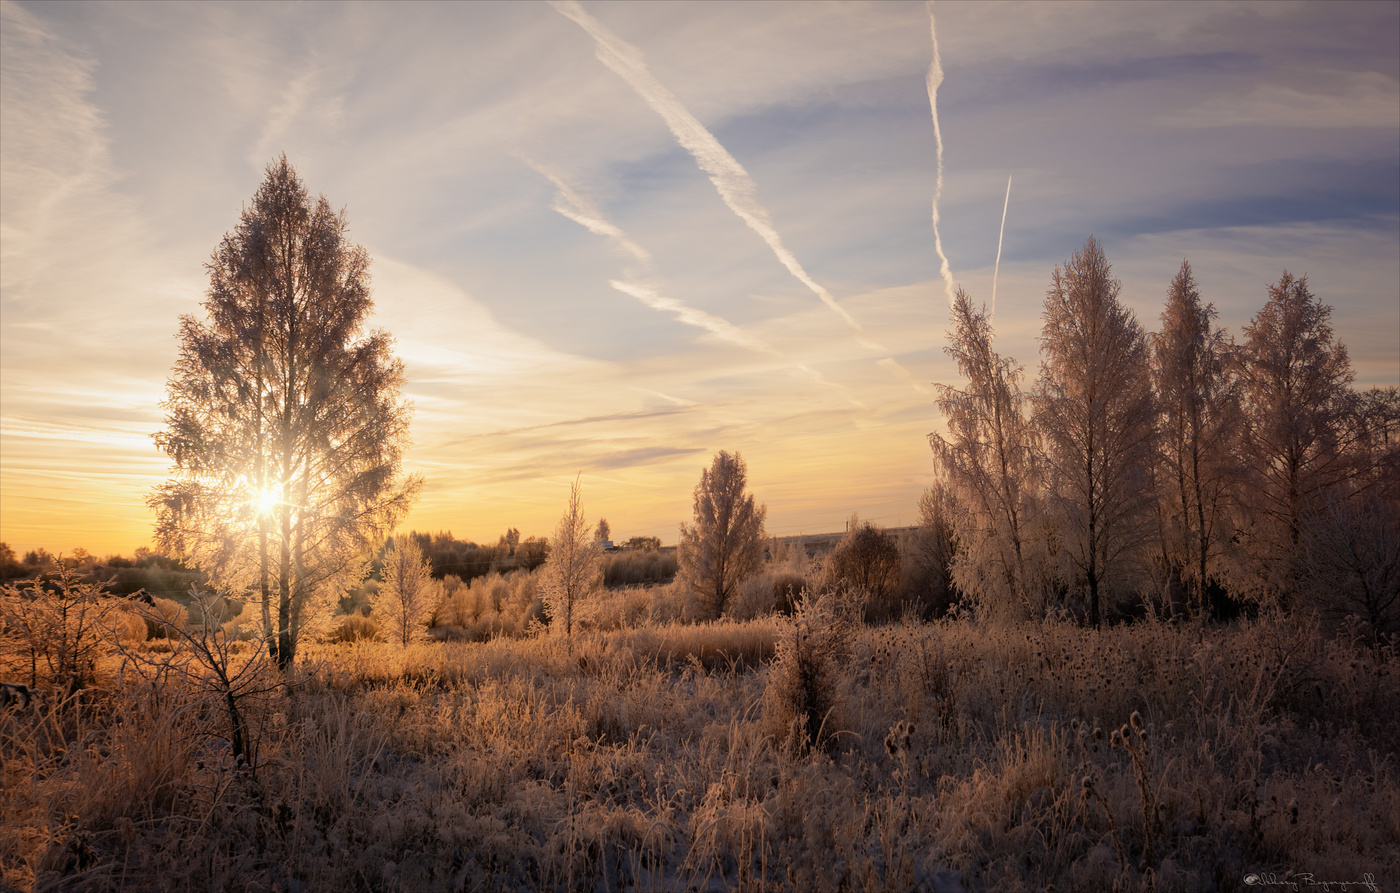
(490, 605)
(801, 701)
(165, 619)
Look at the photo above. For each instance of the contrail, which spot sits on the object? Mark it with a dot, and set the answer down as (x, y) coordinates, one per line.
(734, 184)
(996, 269)
(581, 211)
(569, 203)
(935, 77)
(715, 325)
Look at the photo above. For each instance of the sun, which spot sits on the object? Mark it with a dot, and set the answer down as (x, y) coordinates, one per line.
(267, 500)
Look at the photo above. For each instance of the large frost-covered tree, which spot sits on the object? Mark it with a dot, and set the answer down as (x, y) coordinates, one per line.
(1198, 406)
(988, 463)
(1096, 418)
(284, 417)
(1295, 384)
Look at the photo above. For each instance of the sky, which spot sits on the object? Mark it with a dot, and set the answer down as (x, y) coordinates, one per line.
(612, 239)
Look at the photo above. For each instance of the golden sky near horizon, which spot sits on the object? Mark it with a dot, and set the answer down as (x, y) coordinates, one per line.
(611, 239)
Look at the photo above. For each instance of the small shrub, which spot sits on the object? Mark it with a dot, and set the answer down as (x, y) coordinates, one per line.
(788, 587)
(617, 609)
(638, 567)
(927, 553)
(1352, 566)
(490, 605)
(166, 618)
(674, 603)
(56, 629)
(801, 699)
(867, 560)
(128, 626)
(214, 672)
(755, 598)
(355, 627)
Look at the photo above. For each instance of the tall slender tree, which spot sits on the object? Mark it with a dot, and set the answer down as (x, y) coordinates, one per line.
(1198, 410)
(1295, 384)
(574, 568)
(1096, 416)
(405, 600)
(284, 418)
(988, 461)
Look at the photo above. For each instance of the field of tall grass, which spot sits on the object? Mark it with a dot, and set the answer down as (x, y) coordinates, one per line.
(800, 753)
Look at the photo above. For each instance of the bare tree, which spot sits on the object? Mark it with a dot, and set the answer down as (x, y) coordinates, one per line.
(532, 553)
(408, 594)
(725, 545)
(10, 567)
(209, 659)
(1198, 404)
(1295, 390)
(1096, 417)
(989, 465)
(510, 541)
(284, 419)
(574, 568)
(604, 533)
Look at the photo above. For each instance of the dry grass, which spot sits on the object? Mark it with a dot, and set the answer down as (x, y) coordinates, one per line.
(963, 757)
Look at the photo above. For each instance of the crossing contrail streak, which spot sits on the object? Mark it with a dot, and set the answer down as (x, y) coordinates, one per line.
(580, 210)
(570, 204)
(997, 269)
(733, 183)
(935, 77)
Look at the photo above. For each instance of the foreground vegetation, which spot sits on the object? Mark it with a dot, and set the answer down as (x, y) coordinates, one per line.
(650, 755)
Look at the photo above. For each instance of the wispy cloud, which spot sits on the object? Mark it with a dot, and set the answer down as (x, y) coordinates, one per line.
(733, 183)
(580, 210)
(1343, 99)
(37, 429)
(715, 325)
(55, 142)
(280, 122)
(80, 280)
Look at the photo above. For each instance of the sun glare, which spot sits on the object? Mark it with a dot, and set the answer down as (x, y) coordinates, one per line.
(267, 500)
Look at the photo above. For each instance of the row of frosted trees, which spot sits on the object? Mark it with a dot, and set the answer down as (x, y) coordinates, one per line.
(1173, 468)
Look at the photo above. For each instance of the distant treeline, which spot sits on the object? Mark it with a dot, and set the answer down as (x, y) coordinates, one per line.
(466, 560)
(157, 575)
(638, 560)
